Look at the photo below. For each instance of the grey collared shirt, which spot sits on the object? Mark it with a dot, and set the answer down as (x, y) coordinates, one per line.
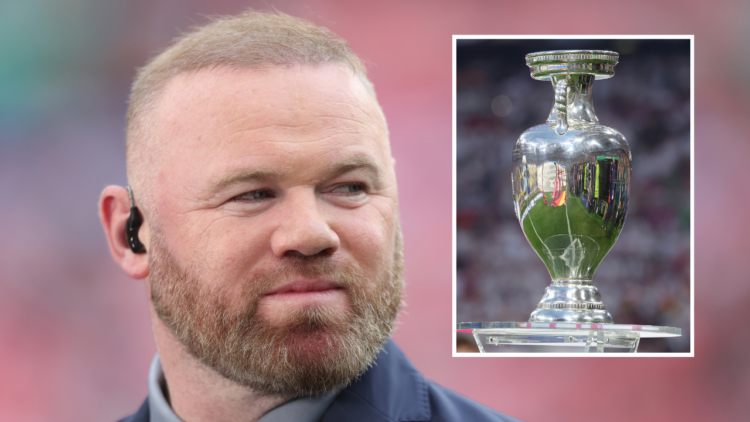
(303, 409)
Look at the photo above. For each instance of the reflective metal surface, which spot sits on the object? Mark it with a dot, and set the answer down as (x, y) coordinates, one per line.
(599, 63)
(571, 178)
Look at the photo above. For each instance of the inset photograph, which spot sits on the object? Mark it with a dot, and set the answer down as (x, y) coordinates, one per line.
(573, 196)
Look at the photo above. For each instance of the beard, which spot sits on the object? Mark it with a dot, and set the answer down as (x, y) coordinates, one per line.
(311, 351)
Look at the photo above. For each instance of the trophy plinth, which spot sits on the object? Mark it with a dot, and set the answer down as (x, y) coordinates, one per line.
(494, 337)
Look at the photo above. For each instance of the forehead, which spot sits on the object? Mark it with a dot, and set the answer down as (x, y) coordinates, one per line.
(215, 121)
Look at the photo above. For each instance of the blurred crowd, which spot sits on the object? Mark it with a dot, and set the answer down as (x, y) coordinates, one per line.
(645, 279)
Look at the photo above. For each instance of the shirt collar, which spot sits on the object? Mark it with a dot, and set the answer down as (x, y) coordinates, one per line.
(159, 408)
(304, 409)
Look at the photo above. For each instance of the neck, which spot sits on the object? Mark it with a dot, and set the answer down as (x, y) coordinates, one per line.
(197, 393)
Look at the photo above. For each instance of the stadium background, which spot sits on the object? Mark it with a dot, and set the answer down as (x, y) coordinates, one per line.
(75, 339)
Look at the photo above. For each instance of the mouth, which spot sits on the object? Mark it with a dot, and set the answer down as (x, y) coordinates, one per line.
(281, 305)
(305, 287)
(304, 293)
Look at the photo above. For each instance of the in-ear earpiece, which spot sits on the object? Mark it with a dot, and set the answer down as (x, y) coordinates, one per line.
(131, 227)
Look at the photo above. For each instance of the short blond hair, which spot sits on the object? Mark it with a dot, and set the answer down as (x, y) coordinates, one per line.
(250, 40)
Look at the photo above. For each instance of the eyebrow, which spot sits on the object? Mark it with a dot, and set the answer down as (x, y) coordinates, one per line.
(243, 177)
(355, 163)
(261, 175)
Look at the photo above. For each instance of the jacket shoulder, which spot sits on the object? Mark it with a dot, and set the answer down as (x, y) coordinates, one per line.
(393, 390)
(142, 415)
(447, 405)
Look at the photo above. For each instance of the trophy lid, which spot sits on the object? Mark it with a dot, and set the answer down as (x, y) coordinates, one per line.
(545, 64)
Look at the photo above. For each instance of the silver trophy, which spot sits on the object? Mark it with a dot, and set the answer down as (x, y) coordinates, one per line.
(571, 177)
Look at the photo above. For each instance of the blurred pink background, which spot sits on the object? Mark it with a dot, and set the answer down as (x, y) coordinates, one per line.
(75, 340)
(645, 278)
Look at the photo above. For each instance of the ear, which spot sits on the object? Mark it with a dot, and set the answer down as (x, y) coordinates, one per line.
(114, 210)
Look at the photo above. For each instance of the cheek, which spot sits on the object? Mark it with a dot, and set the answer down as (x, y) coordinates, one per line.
(229, 248)
(368, 238)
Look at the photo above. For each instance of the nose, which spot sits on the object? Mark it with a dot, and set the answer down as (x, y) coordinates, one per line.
(303, 229)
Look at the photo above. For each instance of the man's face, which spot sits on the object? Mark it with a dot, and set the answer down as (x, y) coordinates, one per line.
(275, 255)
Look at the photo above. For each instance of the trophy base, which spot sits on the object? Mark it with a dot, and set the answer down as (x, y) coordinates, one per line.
(543, 337)
(596, 316)
(576, 302)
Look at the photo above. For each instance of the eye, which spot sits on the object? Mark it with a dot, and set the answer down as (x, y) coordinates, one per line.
(256, 195)
(350, 189)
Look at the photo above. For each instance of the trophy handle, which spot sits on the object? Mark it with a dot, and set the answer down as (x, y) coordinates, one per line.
(561, 106)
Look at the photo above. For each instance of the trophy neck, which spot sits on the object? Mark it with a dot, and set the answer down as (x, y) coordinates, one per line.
(580, 104)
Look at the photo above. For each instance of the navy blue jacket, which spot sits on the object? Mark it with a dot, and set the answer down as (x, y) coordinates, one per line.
(393, 391)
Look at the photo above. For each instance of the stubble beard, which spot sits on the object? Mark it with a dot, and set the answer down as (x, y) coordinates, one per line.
(313, 351)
